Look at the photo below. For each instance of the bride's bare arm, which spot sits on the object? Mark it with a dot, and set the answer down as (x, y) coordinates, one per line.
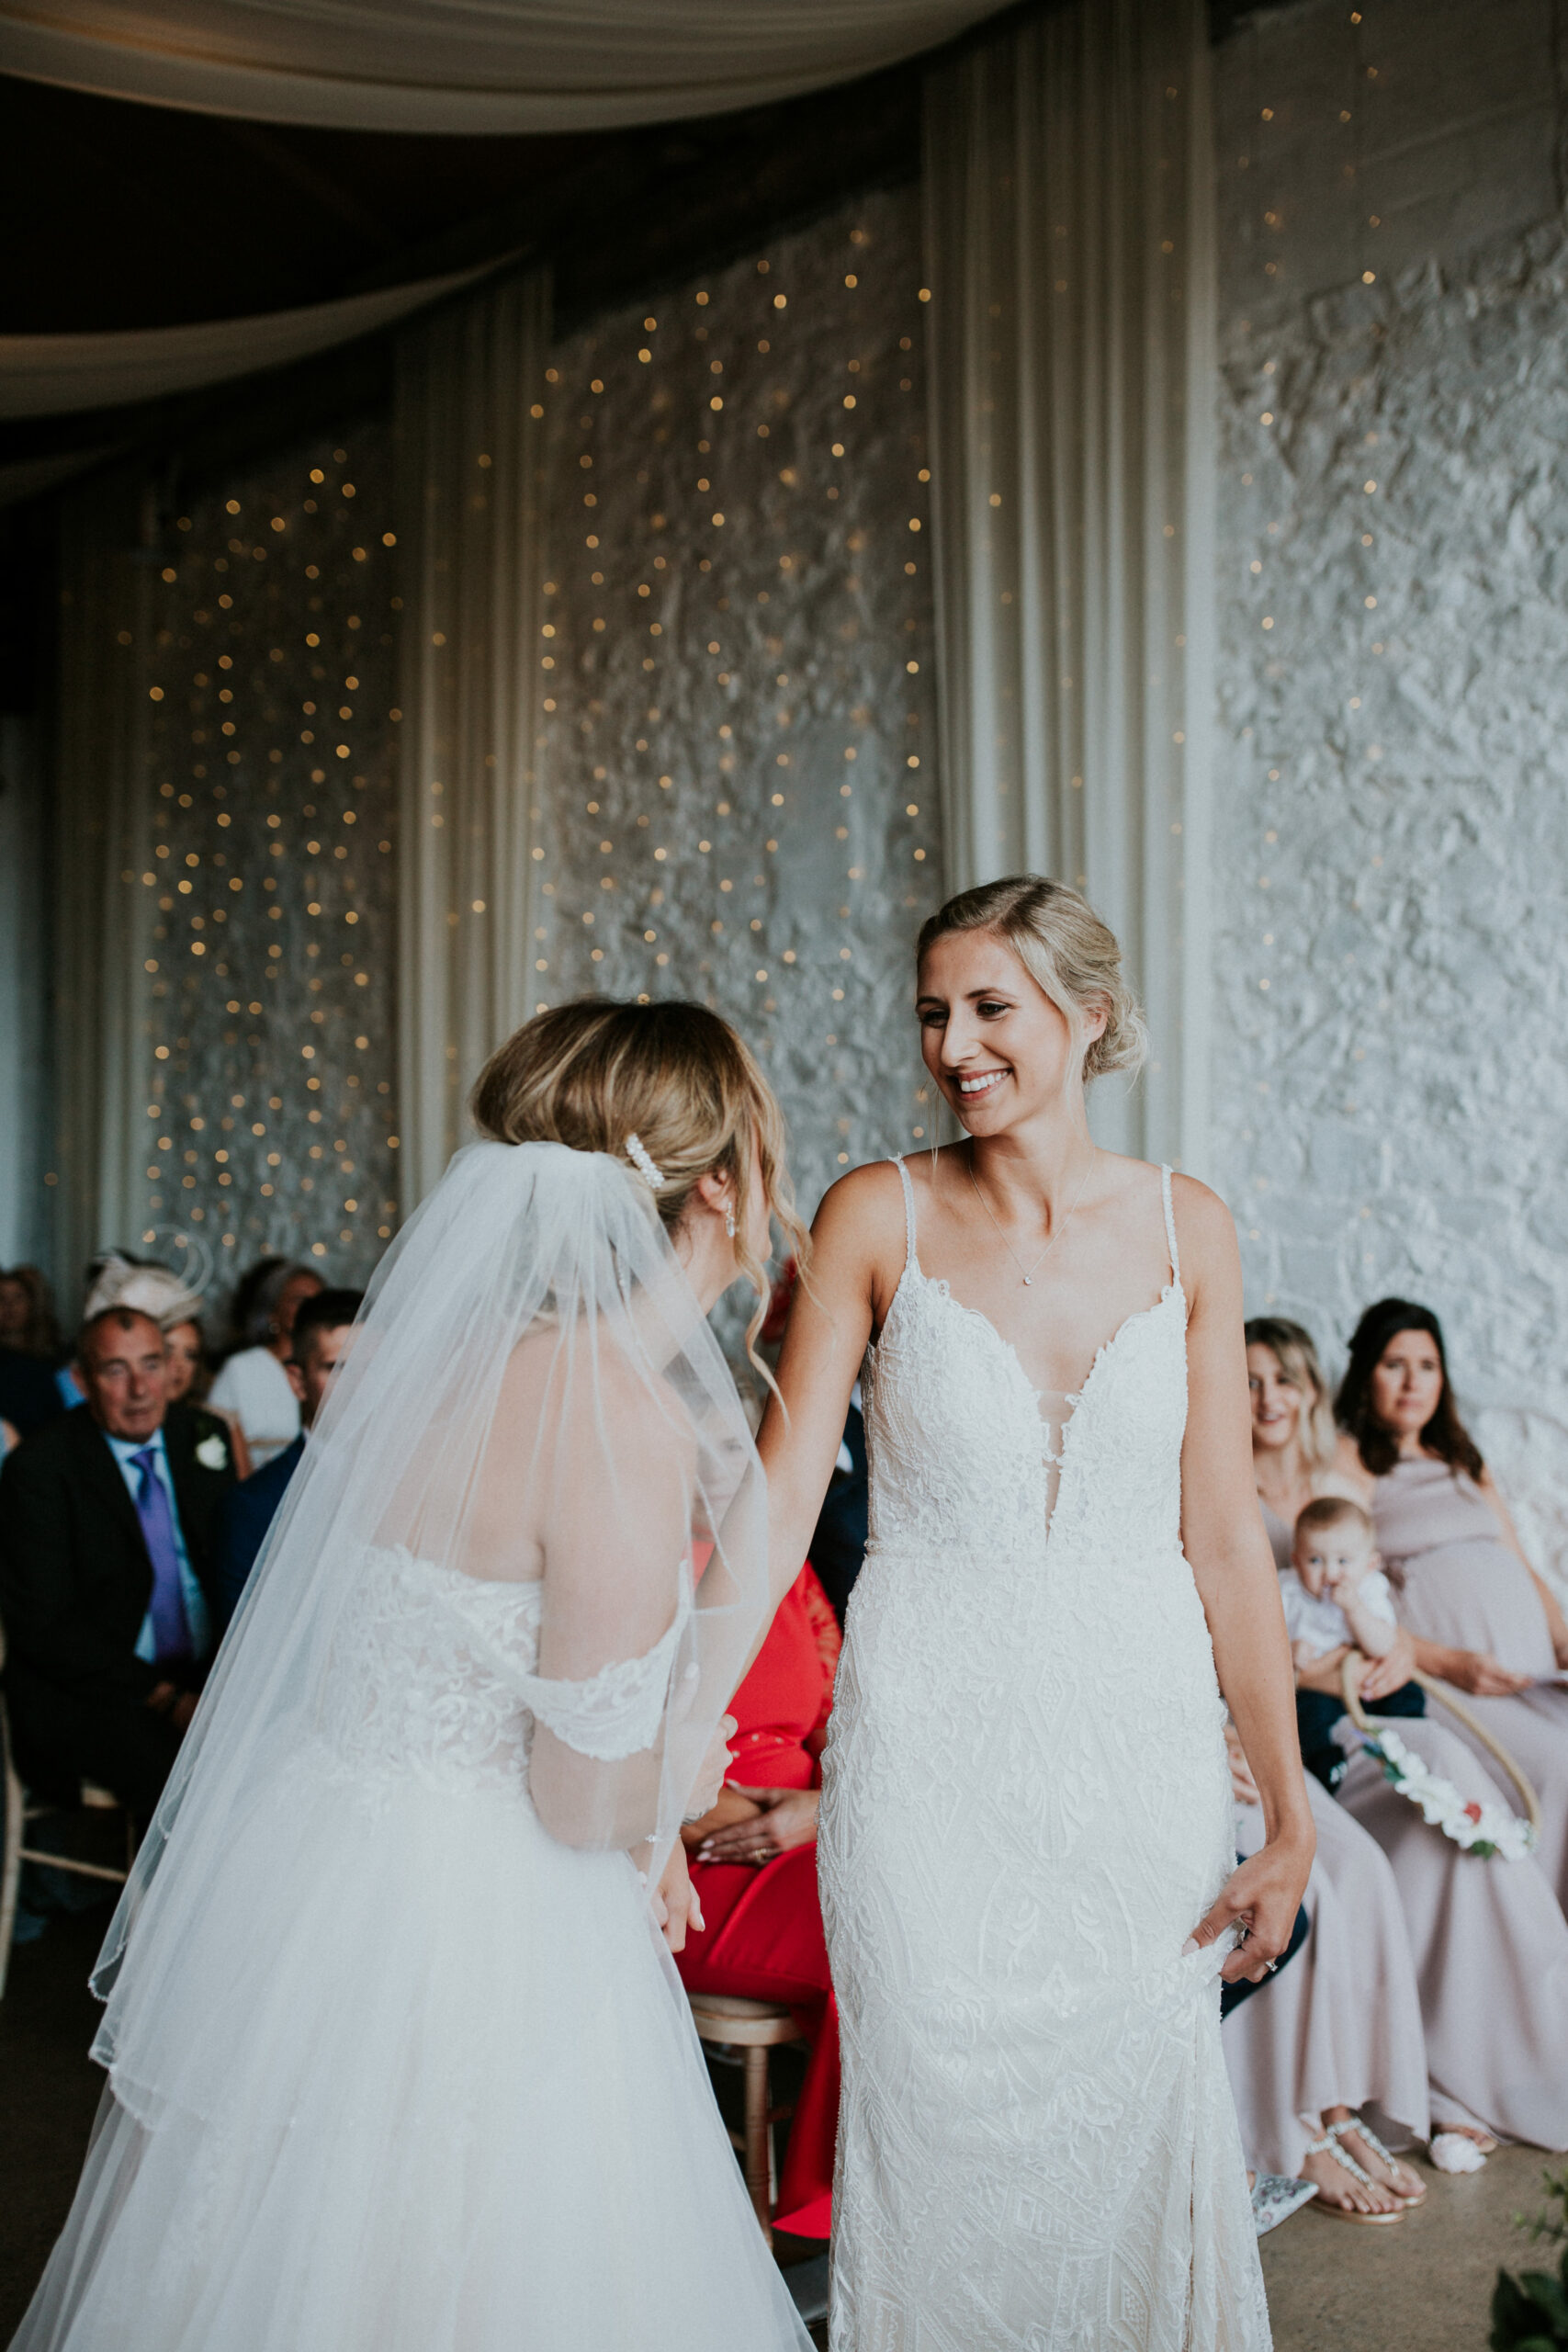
(829, 1324)
(1222, 1536)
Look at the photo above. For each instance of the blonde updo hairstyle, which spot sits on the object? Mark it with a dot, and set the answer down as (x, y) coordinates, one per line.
(1064, 947)
(589, 1074)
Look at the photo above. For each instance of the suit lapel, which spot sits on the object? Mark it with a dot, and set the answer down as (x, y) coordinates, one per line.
(102, 1478)
(192, 1489)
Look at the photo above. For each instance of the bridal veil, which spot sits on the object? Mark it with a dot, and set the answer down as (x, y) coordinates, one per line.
(533, 1398)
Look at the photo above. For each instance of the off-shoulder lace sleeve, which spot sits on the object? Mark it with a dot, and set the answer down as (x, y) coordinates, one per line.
(618, 1711)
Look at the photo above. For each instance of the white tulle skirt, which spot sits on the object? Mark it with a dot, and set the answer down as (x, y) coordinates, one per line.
(422, 2083)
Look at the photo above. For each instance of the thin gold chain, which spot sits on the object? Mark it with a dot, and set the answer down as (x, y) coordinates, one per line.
(1028, 1272)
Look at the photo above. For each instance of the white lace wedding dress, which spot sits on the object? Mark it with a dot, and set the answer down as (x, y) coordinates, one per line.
(1026, 1810)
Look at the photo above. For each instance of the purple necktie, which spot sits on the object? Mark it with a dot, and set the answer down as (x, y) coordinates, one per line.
(171, 1630)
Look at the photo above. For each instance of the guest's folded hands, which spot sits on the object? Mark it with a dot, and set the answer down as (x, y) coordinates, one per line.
(784, 1818)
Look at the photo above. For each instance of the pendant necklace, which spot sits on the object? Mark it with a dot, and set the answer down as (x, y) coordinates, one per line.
(1029, 1272)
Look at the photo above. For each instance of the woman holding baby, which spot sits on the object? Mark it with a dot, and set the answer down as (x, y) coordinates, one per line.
(1488, 1939)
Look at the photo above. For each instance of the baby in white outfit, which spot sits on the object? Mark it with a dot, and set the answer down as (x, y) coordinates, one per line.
(1334, 1593)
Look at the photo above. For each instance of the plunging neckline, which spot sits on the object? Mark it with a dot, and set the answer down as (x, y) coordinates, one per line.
(938, 1287)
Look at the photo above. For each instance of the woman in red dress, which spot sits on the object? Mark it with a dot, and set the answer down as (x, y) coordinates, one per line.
(753, 1862)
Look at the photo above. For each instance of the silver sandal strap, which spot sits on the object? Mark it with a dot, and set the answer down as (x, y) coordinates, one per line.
(1329, 2146)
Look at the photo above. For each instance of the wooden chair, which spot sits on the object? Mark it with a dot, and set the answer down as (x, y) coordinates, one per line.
(726, 2023)
(19, 1811)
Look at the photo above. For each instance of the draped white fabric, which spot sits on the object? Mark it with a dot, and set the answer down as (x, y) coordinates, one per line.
(470, 453)
(54, 375)
(1070, 254)
(104, 819)
(466, 65)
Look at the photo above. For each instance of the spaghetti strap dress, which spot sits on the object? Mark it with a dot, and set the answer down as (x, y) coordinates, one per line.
(1026, 1808)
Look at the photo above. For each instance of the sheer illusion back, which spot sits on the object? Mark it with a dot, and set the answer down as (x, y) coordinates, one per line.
(1026, 1810)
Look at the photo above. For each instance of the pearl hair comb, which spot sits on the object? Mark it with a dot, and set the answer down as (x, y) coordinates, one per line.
(643, 1161)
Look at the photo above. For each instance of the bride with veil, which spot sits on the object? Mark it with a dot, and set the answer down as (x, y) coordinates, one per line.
(397, 2058)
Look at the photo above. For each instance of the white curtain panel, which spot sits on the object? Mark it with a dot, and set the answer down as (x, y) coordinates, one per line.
(103, 818)
(1069, 235)
(467, 65)
(470, 453)
(56, 374)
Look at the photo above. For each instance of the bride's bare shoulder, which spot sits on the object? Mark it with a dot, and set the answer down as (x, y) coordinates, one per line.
(868, 1203)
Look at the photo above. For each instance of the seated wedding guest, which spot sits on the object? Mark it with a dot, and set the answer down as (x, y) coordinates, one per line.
(26, 1314)
(1340, 2029)
(190, 1379)
(753, 1863)
(108, 1520)
(1489, 1939)
(149, 1288)
(30, 1345)
(1482, 1620)
(254, 1384)
(322, 1329)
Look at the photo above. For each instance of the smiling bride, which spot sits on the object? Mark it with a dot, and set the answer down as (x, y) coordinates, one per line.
(1026, 1847)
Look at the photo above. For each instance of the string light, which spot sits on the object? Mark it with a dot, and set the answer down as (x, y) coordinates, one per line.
(751, 588)
(264, 880)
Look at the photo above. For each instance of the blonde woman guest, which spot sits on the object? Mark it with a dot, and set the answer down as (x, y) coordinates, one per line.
(1026, 1847)
(254, 1384)
(1483, 1621)
(1489, 1939)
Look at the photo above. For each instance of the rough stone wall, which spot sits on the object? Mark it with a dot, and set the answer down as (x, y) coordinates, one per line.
(1392, 821)
(738, 758)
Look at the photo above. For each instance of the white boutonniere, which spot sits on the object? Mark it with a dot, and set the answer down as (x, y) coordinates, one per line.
(213, 1453)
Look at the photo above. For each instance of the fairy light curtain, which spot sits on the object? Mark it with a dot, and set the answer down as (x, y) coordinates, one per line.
(1069, 235)
(225, 961)
(667, 676)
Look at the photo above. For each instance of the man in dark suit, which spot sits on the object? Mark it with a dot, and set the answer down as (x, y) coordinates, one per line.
(322, 1329)
(108, 1537)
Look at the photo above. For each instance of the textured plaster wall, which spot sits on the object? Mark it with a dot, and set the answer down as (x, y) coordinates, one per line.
(737, 750)
(1392, 820)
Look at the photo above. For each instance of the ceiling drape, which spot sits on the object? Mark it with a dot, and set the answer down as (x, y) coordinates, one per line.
(469, 449)
(1070, 250)
(467, 65)
(56, 375)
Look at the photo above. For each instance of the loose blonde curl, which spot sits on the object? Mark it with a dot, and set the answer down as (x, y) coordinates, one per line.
(589, 1074)
(1062, 944)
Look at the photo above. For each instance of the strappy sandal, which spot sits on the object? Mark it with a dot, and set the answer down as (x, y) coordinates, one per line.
(1394, 2164)
(1329, 2146)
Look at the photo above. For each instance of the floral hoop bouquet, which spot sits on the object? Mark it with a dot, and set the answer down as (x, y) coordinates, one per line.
(1476, 1827)
(1482, 1829)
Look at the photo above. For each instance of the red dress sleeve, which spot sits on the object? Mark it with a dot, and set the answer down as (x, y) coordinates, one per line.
(781, 1706)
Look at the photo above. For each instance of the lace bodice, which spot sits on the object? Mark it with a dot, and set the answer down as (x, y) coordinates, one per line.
(432, 1675)
(944, 1392)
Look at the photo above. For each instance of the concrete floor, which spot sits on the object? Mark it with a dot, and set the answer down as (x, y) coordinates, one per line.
(1424, 2286)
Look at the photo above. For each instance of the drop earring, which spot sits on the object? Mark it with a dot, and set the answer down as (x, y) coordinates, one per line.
(728, 1221)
